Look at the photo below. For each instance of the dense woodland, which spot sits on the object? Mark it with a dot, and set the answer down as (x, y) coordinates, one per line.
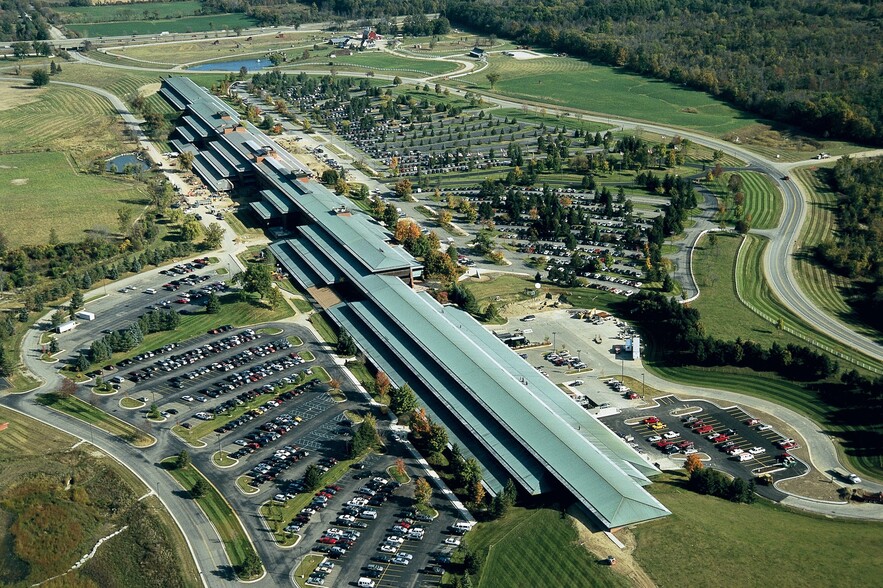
(15, 26)
(856, 249)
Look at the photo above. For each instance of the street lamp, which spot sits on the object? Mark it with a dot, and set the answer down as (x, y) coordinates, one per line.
(578, 353)
(554, 340)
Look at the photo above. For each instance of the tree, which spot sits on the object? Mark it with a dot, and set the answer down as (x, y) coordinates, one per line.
(182, 460)
(693, 463)
(82, 363)
(400, 468)
(40, 77)
(313, 477)
(191, 229)
(382, 383)
(67, 388)
(154, 413)
(185, 160)
(346, 345)
(478, 493)
(77, 300)
(403, 189)
(364, 438)
(54, 346)
(213, 304)
(493, 78)
(397, 81)
(438, 438)
(214, 235)
(422, 491)
(473, 561)
(257, 278)
(57, 318)
(251, 565)
(403, 400)
(199, 489)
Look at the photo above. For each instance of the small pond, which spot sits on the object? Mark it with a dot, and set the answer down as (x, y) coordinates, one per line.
(249, 64)
(118, 164)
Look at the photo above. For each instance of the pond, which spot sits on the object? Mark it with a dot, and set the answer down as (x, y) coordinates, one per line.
(119, 163)
(249, 64)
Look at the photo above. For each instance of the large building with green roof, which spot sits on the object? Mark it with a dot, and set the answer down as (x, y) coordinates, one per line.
(496, 406)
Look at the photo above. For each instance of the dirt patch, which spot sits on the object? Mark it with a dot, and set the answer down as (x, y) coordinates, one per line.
(600, 545)
(12, 96)
(149, 89)
(813, 485)
(19, 181)
(302, 156)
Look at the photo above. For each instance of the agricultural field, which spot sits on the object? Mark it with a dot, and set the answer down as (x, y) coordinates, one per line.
(765, 544)
(62, 119)
(191, 24)
(213, 49)
(43, 191)
(537, 547)
(136, 11)
(572, 83)
(54, 509)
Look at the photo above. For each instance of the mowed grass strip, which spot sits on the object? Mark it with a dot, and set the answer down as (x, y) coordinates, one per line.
(112, 12)
(756, 545)
(42, 191)
(189, 52)
(218, 511)
(62, 119)
(189, 24)
(537, 548)
(73, 406)
(572, 83)
(762, 200)
(26, 436)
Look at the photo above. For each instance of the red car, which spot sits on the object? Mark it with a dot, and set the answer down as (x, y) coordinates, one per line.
(704, 429)
(632, 396)
(651, 420)
(328, 540)
(663, 444)
(752, 422)
(697, 425)
(720, 438)
(685, 444)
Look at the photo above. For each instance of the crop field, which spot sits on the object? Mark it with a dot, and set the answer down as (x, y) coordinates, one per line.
(113, 12)
(41, 191)
(63, 119)
(537, 548)
(204, 50)
(567, 82)
(753, 536)
(827, 289)
(191, 24)
(55, 508)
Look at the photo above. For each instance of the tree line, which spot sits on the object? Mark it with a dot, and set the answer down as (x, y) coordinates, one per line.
(856, 250)
(679, 325)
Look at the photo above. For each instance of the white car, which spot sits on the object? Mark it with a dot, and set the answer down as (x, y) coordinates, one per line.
(853, 479)
(690, 451)
(452, 541)
(671, 435)
(756, 450)
(388, 548)
(187, 398)
(654, 439)
(745, 456)
(395, 539)
(763, 427)
(737, 451)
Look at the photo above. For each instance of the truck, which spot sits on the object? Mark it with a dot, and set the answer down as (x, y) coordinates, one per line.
(85, 315)
(65, 327)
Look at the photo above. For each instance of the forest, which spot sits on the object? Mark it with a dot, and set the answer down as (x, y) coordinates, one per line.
(855, 251)
(20, 23)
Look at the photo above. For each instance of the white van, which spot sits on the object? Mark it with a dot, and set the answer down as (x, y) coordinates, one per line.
(150, 291)
(368, 514)
(366, 583)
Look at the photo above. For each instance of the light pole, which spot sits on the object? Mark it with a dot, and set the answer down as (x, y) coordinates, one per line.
(554, 340)
(622, 373)
(578, 354)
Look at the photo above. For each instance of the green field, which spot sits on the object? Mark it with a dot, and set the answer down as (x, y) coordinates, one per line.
(219, 512)
(180, 53)
(57, 502)
(191, 24)
(42, 191)
(386, 63)
(57, 118)
(537, 548)
(84, 411)
(571, 83)
(135, 11)
(753, 545)
(763, 201)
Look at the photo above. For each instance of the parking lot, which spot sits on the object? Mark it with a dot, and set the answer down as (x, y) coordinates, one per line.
(721, 436)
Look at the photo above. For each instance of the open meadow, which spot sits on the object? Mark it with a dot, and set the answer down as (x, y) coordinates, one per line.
(134, 11)
(572, 83)
(42, 191)
(55, 503)
(763, 201)
(212, 49)
(757, 544)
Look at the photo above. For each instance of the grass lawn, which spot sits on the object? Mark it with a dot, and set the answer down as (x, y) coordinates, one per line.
(219, 512)
(206, 50)
(764, 544)
(306, 567)
(222, 459)
(763, 201)
(61, 119)
(212, 22)
(537, 548)
(389, 63)
(33, 183)
(505, 288)
(295, 341)
(573, 83)
(326, 331)
(393, 472)
(84, 411)
(131, 403)
(242, 483)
